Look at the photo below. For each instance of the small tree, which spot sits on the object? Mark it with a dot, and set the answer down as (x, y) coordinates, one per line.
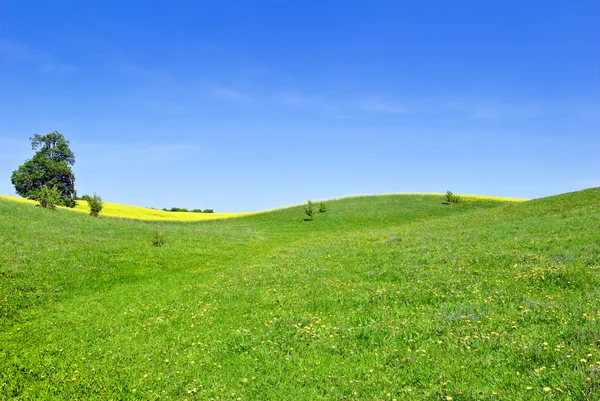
(158, 239)
(309, 210)
(451, 197)
(95, 203)
(48, 197)
(322, 207)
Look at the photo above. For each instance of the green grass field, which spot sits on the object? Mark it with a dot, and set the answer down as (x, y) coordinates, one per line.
(380, 298)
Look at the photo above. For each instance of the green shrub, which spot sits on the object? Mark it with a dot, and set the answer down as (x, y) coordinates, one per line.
(95, 203)
(452, 198)
(68, 202)
(158, 239)
(309, 210)
(182, 209)
(322, 207)
(49, 197)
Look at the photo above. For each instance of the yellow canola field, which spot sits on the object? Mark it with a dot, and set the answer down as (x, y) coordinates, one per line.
(465, 196)
(144, 213)
(139, 213)
(496, 198)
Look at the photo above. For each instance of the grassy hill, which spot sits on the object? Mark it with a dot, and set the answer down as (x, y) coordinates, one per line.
(380, 298)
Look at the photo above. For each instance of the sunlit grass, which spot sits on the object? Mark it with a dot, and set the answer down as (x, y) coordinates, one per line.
(429, 194)
(463, 196)
(380, 298)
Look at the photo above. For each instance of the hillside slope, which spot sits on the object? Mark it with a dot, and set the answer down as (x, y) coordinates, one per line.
(378, 298)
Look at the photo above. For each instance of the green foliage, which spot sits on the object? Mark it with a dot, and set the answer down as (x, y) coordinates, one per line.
(376, 299)
(49, 167)
(48, 197)
(178, 209)
(158, 239)
(95, 203)
(182, 209)
(309, 210)
(452, 198)
(322, 207)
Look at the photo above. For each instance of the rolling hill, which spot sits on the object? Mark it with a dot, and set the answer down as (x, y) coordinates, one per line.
(379, 298)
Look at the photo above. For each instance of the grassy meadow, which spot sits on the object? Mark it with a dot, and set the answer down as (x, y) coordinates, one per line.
(380, 298)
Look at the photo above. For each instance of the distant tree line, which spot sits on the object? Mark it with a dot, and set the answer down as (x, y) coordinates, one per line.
(182, 209)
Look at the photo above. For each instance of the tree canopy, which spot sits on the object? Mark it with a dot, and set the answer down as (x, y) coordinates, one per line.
(50, 167)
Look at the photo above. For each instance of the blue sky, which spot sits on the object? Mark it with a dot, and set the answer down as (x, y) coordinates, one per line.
(251, 105)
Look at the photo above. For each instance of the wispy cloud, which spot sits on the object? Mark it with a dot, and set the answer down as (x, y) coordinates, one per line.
(123, 65)
(296, 99)
(14, 50)
(491, 109)
(229, 94)
(154, 151)
(382, 105)
(136, 153)
(165, 91)
(590, 110)
(46, 63)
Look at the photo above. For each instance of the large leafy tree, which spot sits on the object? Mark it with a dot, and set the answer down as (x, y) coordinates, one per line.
(50, 167)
